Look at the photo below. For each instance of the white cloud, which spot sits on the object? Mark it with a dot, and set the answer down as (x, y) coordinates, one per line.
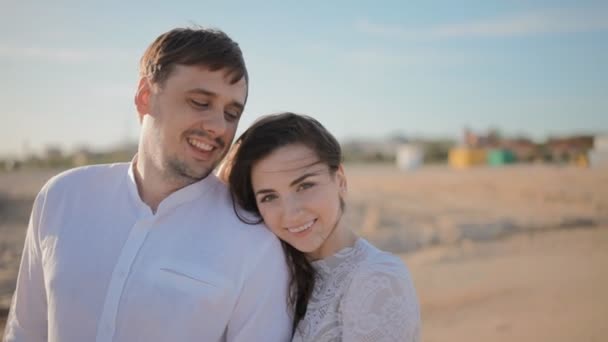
(531, 23)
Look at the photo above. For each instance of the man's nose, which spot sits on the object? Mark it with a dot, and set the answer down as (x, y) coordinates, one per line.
(214, 123)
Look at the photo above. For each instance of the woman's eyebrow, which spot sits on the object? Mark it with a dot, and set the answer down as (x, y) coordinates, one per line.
(263, 191)
(303, 177)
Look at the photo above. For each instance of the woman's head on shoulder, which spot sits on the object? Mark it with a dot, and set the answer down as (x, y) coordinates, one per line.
(287, 168)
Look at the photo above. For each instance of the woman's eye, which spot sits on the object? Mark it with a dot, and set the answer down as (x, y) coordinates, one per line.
(267, 198)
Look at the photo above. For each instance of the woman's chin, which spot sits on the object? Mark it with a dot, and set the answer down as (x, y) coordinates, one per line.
(303, 247)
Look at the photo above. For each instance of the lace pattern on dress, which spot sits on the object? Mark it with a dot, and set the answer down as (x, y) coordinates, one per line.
(361, 294)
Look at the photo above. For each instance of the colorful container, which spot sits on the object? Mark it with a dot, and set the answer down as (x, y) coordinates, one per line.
(464, 157)
(500, 157)
(581, 160)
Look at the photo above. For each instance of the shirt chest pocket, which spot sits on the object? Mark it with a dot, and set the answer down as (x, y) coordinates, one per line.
(191, 288)
(178, 301)
(187, 275)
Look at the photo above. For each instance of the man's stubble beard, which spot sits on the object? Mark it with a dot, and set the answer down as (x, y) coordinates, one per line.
(179, 171)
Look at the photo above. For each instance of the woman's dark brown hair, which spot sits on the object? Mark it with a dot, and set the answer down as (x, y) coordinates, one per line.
(263, 137)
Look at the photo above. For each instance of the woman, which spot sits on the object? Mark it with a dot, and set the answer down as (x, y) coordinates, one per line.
(286, 170)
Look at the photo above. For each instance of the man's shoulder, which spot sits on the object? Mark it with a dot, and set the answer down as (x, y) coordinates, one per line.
(86, 173)
(83, 179)
(252, 234)
(238, 218)
(238, 233)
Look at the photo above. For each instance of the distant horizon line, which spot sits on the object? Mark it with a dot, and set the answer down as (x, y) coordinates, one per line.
(351, 138)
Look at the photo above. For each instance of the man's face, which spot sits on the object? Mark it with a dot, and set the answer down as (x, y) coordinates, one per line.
(190, 121)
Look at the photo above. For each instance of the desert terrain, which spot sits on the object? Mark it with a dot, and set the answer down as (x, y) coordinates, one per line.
(497, 254)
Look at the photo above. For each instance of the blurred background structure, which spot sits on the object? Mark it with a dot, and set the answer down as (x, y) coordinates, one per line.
(475, 135)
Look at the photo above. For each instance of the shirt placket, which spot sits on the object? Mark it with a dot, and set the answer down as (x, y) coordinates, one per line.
(107, 323)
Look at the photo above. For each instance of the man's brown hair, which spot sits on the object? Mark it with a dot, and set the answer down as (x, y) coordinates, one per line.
(209, 48)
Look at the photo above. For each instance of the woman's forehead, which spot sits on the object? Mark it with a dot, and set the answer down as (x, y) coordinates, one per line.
(290, 158)
(283, 168)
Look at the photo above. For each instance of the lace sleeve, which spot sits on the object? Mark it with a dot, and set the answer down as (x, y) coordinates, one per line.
(381, 305)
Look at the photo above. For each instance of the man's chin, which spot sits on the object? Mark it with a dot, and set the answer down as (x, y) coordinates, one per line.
(190, 173)
(198, 175)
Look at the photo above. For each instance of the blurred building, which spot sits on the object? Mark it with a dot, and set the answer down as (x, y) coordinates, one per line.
(598, 156)
(370, 150)
(475, 140)
(409, 156)
(570, 149)
(523, 149)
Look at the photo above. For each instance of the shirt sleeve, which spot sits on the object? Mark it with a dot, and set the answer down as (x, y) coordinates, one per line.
(27, 319)
(261, 312)
(381, 305)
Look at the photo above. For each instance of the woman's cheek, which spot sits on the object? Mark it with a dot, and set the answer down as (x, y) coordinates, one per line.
(271, 218)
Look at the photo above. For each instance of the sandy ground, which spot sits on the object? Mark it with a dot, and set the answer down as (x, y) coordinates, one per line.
(404, 211)
(548, 286)
(516, 253)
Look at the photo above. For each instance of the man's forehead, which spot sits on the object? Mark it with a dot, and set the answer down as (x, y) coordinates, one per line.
(192, 75)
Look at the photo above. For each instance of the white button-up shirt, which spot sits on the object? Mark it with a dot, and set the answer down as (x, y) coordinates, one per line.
(98, 265)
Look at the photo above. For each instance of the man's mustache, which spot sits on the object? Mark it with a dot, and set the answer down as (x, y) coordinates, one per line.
(202, 134)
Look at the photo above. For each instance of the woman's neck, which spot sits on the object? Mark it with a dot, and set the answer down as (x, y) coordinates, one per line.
(340, 238)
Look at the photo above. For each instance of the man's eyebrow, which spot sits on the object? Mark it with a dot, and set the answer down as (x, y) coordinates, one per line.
(238, 105)
(202, 91)
(206, 92)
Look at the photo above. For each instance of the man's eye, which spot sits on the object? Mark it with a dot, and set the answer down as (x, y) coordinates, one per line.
(199, 104)
(231, 116)
(305, 186)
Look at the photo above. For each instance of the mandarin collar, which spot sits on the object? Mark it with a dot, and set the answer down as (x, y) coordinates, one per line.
(184, 195)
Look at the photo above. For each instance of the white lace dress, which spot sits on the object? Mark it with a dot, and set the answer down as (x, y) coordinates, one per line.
(361, 294)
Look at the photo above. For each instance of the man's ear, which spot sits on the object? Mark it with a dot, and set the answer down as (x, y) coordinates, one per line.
(142, 97)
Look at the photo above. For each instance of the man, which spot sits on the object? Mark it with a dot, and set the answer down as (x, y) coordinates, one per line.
(151, 250)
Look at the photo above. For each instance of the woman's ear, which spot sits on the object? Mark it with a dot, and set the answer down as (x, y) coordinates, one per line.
(341, 179)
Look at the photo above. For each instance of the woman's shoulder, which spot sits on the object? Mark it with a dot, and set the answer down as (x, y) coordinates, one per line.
(379, 262)
(381, 274)
(381, 290)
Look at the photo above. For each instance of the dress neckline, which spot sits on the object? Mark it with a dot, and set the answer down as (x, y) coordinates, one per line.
(328, 264)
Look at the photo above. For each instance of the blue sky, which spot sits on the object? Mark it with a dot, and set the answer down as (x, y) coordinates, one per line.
(364, 69)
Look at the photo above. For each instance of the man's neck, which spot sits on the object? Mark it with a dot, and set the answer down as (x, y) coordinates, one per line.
(153, 187)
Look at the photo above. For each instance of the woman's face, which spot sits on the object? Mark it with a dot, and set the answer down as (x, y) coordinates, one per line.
(298, 197)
